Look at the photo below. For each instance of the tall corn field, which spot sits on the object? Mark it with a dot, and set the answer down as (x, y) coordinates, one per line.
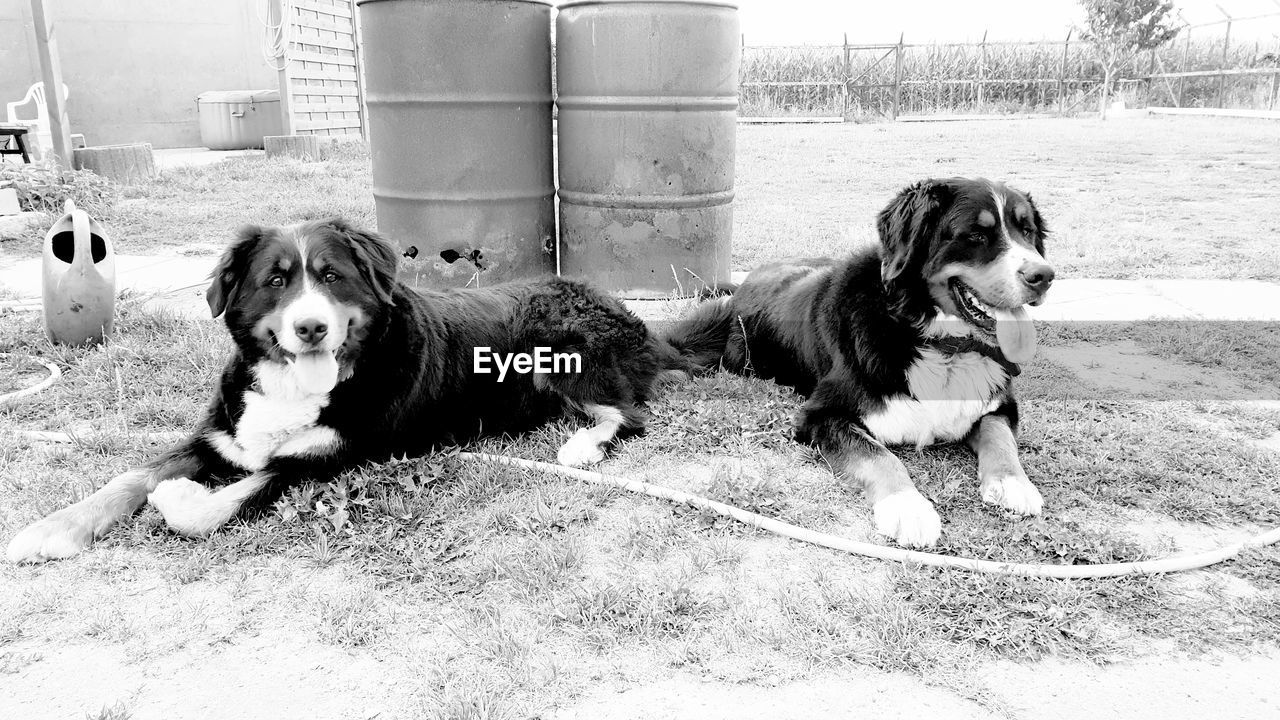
(859, 81)
(782, 81)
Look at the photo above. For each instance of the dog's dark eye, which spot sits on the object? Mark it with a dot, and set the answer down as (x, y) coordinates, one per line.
(330, 277)
(977, 238)
(276, 281)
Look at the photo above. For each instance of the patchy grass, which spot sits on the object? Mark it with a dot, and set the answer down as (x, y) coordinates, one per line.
(194, 210)
(434, 588)
(117, 711)
(492, 592)
(1246, 349)
(1126, 198)
(45, 187)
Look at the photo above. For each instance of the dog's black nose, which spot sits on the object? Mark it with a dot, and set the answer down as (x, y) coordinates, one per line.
(1037, 276)
(310, 330)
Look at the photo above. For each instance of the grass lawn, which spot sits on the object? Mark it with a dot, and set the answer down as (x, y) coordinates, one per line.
(434, 588)
(1127, 198)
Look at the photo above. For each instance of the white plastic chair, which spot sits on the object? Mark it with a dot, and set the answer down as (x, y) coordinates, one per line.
(35, 93)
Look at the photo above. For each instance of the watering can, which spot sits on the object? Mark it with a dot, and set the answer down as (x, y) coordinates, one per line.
(79, 280)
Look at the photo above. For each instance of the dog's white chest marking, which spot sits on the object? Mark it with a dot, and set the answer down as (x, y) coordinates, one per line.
(948, 395)
(279, 419)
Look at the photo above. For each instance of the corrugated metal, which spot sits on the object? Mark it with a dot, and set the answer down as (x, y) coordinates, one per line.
(648, 97)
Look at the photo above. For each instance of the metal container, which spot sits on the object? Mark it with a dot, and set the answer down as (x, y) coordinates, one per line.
(459, 96)
(238, 119)
(648, 99)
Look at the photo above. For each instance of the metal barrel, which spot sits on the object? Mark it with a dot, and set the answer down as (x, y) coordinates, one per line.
(459, 97)
(648, 99)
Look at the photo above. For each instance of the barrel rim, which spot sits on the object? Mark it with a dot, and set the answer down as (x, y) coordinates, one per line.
(547, 3)
(647, 201)
(580, 3)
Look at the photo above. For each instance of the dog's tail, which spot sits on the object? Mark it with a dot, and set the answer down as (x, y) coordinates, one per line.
(699, 339)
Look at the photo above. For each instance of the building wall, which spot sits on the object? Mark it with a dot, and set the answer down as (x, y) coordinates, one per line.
(135, 67)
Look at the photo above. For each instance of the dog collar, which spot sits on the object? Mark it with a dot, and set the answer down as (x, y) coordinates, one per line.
(951, 345)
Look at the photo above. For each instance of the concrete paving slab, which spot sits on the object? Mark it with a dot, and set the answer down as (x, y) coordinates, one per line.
(146, 274)
(188, 157)
(1090, 300)
(1222, 299)
(185, 301)
(12, 226)
(180, 279)
(1099, 300)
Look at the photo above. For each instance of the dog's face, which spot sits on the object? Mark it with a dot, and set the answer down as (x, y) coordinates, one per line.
(973, 248)
(304, 290)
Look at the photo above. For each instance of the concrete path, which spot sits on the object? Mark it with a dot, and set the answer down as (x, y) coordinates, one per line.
(185, 157)
(176, 282)
(179, 282)
(1091, 300)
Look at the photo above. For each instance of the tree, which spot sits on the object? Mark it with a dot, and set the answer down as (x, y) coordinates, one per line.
(1120, 29)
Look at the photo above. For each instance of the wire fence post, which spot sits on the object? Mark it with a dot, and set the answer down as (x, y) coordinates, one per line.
(846, 79)
(897, 77)
(1062, 76)
(1222, 79)
(1186, 54)
(1151, 70)
(982, 70)
(1275, 89)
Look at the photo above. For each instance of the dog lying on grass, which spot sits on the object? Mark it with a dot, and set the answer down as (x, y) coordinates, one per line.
(337, 363)
(910, 343)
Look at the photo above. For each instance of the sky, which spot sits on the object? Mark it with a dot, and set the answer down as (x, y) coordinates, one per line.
(767, 22)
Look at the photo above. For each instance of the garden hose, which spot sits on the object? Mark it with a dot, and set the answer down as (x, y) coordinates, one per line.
(795, 532)
(54, 374)
(882, 552)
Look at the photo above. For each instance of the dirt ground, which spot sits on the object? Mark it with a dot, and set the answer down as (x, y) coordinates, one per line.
(498, 595)
(272, 676)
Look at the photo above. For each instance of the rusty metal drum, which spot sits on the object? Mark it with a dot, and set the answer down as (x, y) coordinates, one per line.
(459, 97)
(647, 97)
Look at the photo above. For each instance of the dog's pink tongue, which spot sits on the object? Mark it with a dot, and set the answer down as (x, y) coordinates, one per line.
(1015, 333)
(316, 372)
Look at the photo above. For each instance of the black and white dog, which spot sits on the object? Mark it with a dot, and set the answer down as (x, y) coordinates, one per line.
(337, 363)
(911, 343)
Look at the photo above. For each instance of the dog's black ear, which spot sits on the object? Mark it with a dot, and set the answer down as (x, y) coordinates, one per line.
(907, 226)
(1041, 231)
(376, 257)
(232, 268)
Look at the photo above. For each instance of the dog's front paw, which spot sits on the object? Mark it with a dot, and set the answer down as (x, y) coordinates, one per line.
(182, 503)
(57, 536)
(1014, 492)
(581, 450)
(907, 517)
